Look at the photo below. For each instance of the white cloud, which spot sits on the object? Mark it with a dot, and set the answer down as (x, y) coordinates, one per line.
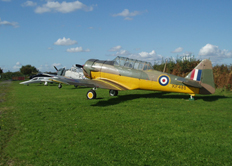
(57, 64)
(121, 53)
(50, 48)
(63, 7)
(29, 3)
(18, 63)
(17, 66)
(144, 56)
(214, 53)
(116, 48)
(49, 67)
(187, 53)
(127, 14)
(77, 49)
(177, 50)
(65, 42)
(14, 24)
(46, 68)
(147, 56)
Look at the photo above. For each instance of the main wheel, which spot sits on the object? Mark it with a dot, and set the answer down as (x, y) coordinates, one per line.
(91, 94)
(113, 93)
(60, 86)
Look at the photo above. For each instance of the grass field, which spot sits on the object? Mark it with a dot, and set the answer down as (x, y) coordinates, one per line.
(44, 125)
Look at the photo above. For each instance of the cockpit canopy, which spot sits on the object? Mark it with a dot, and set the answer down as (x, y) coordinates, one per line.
(132, 63)
(74, 68)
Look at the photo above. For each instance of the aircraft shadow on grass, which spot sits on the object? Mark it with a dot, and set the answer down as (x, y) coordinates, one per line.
(164, 95)
(79, 87)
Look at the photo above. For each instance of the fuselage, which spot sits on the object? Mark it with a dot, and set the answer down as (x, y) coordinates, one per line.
(37, 79)
(134, 74)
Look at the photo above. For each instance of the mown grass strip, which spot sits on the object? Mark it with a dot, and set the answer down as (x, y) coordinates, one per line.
(61, 127)
(7, 119)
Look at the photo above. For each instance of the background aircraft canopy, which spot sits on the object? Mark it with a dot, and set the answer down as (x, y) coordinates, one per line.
(132, 63)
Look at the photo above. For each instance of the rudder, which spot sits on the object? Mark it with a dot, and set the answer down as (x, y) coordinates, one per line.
(203, 73)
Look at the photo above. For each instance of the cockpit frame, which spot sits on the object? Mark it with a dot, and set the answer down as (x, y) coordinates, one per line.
(132, 63)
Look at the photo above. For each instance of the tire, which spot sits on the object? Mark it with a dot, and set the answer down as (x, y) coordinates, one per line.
(113, 93)
(91, 94)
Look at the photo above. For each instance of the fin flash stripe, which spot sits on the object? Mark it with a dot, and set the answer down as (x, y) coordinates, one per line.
(196, 75)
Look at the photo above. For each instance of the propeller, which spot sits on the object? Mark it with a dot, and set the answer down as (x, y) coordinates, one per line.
(79, 66)
(55, 68)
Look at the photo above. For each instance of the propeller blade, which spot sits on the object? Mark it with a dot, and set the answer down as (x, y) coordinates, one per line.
(79, 66)
(55, 68)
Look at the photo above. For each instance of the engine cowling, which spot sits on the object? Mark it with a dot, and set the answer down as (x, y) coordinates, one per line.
(87, 68)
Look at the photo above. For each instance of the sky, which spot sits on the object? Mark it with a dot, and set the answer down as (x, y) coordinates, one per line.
(47, 33)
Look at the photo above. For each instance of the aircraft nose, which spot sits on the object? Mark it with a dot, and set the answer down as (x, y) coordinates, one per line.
(22, 83)
(87, 68)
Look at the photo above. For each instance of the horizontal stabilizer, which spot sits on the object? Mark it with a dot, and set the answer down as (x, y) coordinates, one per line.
(189, 82)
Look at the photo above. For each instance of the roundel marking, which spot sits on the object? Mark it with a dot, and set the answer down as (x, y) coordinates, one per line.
(163, 80)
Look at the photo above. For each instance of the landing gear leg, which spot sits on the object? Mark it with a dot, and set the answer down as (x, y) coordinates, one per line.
(191, 98)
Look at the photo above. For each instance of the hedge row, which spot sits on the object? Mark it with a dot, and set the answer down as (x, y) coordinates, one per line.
(222, 73)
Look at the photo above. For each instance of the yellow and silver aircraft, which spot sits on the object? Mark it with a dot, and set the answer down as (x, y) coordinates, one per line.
(129, 74)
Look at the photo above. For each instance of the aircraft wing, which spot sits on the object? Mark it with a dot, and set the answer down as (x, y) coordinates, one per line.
(189, 82)
(97, 83)
(31, 81)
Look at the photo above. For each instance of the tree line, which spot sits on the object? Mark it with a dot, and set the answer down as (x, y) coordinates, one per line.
(182, 67)
(27, 70)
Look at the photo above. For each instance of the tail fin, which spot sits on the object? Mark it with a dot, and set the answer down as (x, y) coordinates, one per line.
(203, 73)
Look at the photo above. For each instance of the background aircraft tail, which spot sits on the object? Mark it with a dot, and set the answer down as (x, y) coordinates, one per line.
(203, 74)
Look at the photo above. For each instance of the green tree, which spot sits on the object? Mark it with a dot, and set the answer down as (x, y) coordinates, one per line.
(28, 70)
(1, 71)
